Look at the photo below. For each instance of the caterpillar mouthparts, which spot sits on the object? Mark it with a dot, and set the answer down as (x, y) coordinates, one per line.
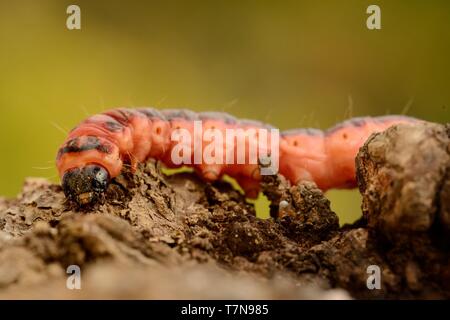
(85, 185)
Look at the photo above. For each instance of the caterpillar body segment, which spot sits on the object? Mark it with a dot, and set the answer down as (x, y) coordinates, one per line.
(98, 148)
(328, 157)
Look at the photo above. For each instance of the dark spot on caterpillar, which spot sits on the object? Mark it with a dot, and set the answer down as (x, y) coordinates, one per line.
(91, 143)
(73, 143)
(184, 114)
(219, 116)
(113, 126)
(344, 136)
(119, 115)
(358, 122)
(302, 131)
(254, 124)
(71, 146)
(355, 122)
(152, 113)
(125, 113)
(295, 143)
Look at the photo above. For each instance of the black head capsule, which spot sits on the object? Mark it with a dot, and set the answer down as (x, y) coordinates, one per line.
(85, 185)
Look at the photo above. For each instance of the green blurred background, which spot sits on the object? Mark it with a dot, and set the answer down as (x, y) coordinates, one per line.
(290, 63)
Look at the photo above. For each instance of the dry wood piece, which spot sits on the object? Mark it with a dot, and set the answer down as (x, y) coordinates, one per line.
(403, 175)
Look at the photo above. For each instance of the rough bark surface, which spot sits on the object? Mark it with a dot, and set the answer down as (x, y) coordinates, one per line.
(157, 236)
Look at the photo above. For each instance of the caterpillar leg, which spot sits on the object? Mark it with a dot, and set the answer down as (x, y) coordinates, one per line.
(209, 172)
(250, 186)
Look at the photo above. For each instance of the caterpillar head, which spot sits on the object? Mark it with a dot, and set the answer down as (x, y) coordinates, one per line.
(85, 185)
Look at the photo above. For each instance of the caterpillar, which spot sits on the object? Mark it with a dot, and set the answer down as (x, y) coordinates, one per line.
(97, 149)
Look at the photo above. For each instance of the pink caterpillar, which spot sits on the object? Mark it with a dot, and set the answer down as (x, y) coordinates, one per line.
(96, 150)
